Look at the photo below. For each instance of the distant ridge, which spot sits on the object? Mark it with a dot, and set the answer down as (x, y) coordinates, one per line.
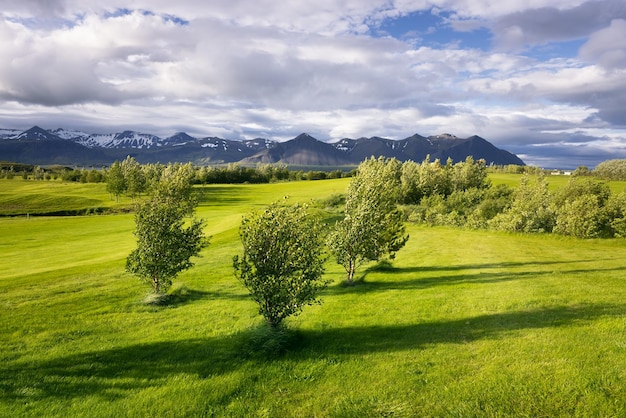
(59, 146)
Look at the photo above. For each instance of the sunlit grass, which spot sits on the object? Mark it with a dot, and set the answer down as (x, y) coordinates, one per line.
(36, 197)
(462, 323)
(555, 182)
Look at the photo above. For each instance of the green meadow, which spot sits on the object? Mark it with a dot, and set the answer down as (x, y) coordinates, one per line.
(462, 323)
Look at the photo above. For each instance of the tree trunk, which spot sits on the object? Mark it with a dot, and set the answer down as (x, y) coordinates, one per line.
(155, 285)
(351, 271)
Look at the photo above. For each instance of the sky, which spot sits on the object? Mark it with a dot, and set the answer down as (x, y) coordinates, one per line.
(544, 79)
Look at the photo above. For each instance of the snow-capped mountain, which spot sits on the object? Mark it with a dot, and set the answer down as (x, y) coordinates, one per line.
(61, 146)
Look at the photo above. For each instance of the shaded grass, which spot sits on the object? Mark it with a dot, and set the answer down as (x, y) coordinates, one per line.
(462, 323)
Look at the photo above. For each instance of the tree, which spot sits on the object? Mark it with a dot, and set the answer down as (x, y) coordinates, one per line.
(582, 217)
(133, 176)
(531, 209)
(282, 262)
(611, 170)
(373, 226)
(581, 211)
(166, 238)
(116, 183)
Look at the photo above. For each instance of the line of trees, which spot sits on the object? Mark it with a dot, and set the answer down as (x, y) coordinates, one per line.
(130, 178)
(34, 172)
(284, 246)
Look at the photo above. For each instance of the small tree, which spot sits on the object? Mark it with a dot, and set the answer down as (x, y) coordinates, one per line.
(116, 183)
(165, 244)
(373, 225)
(282, 260)
(133, 176)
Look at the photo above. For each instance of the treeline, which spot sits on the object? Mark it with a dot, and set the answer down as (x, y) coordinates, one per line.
(461, 195)
(131, 178)
(227, 174)
(35, 172)
(261, 173)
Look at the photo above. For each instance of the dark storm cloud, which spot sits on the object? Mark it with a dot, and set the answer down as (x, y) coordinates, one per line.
(549, 24)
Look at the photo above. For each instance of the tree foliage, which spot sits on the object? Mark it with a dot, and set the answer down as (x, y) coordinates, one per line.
(282, 261)
(531, 208)
(116, 182)
(582, 209)
(611, 170)
(167, 233)
(431, 178)
(373, 226)
(134, 179)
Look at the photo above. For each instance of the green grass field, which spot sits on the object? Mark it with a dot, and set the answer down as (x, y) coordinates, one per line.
(463, 323)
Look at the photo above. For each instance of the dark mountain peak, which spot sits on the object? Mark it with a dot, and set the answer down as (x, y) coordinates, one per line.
(179, 138)
(184, 135)
(302, 150)
(416, 136)
(304, 137)
(37, 134)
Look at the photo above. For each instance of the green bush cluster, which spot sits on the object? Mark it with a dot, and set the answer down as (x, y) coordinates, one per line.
(611, 170)
(584, 208)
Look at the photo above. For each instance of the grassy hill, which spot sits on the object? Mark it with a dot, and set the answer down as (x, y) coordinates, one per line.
(463, 323)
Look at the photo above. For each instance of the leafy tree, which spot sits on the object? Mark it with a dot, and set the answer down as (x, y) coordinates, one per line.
(582, 170)
(580, 209)
(373, 226)
(134, 177)
(469, 174)
(116, 182)
(410, 189)
(582, 217)
(166, 238)
(432, 178)
(496, 199)
(282, 260)
(175, 183)
(616, 214)
(577, 187)
(531, 209)
(611, 170)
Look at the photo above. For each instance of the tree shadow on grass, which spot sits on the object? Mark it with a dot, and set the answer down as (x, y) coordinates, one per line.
(483, 276)
(386, 266)
(111, 373)
(183, 295)
(372, 339)
(220, 195)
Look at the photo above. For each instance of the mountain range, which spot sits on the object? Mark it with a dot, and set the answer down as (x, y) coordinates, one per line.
(60, 146)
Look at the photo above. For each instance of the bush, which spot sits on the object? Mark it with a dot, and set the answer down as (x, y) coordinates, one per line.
(611, 170)
(531, 209)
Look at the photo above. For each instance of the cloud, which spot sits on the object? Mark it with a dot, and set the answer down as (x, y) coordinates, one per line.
(536, 26)
(607, 46)
(244, 69)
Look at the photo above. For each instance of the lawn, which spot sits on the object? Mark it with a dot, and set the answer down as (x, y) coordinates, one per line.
(462, 323)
